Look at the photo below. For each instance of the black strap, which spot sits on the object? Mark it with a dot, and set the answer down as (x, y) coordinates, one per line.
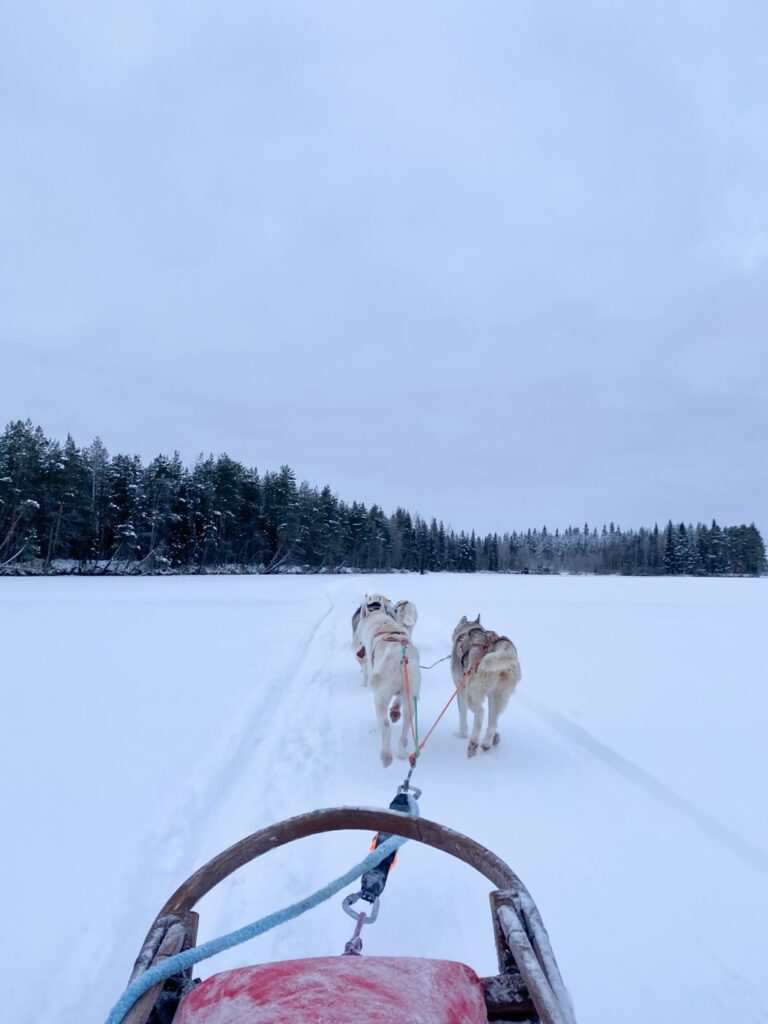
(373, 881)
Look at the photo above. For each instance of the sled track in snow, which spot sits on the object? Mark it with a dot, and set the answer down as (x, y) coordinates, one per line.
(229, 775)
(217, 778)
(751, 854)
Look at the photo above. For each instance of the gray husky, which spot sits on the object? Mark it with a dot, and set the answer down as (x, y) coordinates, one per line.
(486, 665)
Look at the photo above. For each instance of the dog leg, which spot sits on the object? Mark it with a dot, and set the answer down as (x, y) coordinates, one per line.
(461, 700)
(382, 713)
(492, 737)
(362, 661)
(496, 702)
(477, 725)
(402, 746)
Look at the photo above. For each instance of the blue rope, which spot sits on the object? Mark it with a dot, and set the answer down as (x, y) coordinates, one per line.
(179, 962)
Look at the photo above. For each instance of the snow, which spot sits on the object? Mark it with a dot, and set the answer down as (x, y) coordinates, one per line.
(149, 723)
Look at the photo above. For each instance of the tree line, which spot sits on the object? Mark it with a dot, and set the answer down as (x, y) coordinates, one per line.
(65, 508)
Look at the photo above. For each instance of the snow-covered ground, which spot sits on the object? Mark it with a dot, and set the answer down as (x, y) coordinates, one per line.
(149, 723)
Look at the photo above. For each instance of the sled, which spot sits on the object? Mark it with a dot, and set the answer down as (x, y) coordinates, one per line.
(359, 989)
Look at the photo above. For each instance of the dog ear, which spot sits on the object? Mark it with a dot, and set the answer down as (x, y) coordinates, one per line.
(478, 618)
(407, 613)
(462, 620)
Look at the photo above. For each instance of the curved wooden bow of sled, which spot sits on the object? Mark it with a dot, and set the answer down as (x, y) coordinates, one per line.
(528, 987)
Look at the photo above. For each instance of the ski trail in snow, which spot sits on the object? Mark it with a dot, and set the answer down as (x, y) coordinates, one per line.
(750, 853)
(294, 737)
(226, 771)
(297, 744)
(173, 850)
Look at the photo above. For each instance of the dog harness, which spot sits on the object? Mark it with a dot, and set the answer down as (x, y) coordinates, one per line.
(478, 647)
(388, 636)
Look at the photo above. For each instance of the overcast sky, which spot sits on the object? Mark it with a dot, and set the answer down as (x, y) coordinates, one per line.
(504, 263)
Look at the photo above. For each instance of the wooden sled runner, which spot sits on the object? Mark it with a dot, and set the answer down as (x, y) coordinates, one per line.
(359, 989)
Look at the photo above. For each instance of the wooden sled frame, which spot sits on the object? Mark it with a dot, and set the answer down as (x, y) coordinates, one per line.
(528, 986)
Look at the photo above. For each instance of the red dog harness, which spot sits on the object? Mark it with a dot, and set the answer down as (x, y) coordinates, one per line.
(478, 648)
(388, 636)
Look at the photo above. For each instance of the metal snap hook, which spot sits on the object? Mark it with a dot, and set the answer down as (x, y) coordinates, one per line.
(348, 901)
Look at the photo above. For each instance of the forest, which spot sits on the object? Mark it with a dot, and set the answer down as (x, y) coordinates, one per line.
(69, 509)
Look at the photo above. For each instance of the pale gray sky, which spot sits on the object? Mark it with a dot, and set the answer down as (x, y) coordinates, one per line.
(504, 263)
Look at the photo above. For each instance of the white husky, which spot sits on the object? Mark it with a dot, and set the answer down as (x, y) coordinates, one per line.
(490, 664)
(390, 658)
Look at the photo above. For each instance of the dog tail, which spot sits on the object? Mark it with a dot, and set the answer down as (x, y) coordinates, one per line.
(501, 663)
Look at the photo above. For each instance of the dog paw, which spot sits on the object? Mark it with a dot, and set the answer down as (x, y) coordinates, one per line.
(386, 760)
(402, 753)
(492, 742)
(472, 749)
(462, 734)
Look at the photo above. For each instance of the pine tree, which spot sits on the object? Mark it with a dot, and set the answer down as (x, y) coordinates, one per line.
(123, 511)
(22, 460)
(683, 551)
(716, 559)
(96, 459)
(670, 550)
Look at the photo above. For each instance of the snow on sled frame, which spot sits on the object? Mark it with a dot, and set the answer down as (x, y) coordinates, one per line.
(528, 987)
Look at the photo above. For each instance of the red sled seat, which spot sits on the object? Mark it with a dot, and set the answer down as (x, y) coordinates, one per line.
(339, 990)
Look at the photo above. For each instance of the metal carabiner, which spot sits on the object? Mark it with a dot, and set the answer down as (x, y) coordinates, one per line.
(408, 789)
(357, 914)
